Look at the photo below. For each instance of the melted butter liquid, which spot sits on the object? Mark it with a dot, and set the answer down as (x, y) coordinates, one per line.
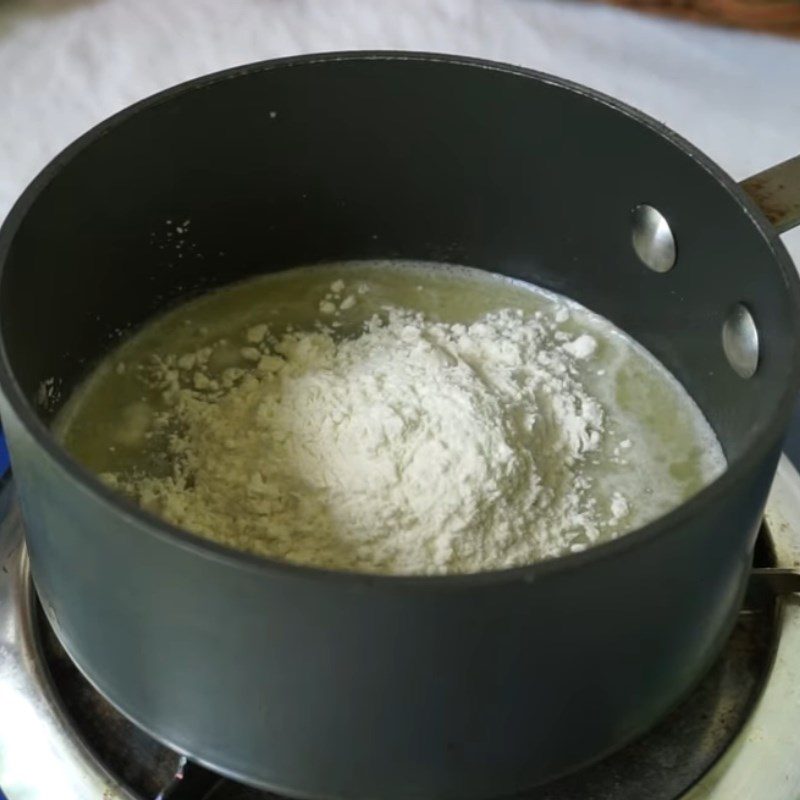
(658, 449)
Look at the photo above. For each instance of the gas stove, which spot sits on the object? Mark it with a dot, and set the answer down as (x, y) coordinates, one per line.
(734, 738)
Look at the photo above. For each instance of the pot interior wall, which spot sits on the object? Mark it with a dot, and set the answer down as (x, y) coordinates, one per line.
(389, 157)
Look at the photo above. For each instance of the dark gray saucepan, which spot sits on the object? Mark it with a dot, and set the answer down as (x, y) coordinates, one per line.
(338, 685)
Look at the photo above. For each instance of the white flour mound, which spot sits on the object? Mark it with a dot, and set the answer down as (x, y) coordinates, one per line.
(415, 447)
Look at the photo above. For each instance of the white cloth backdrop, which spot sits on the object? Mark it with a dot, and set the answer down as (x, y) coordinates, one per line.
(67, 64)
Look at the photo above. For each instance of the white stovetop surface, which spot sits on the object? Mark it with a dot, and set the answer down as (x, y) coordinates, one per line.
(66, 64)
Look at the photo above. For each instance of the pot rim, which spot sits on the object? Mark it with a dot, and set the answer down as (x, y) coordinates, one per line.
(765, 434)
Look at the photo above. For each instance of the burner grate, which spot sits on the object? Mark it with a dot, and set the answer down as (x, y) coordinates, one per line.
(66, 741)
(662, 765)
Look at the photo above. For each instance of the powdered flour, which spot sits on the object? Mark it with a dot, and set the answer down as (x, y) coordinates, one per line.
(415, 447)
(417, 419)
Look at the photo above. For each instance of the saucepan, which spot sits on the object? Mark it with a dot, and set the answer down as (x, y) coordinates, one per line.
(336, 685)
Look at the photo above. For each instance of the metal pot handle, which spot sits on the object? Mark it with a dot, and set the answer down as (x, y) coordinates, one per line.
(777, 192)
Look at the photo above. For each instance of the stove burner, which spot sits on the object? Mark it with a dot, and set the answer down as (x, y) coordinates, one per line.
(659, 766)
(66, 740)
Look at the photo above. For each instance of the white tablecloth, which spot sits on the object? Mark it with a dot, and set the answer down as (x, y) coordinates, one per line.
(66, 64)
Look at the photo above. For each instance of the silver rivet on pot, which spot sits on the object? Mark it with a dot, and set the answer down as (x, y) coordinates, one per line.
(740, 341)
(652, 238)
